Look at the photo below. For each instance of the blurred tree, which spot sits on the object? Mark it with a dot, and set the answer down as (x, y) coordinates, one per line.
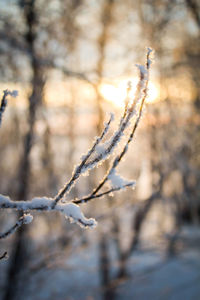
(38, 38)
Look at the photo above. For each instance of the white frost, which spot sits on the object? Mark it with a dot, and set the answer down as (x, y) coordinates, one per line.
(70, 210)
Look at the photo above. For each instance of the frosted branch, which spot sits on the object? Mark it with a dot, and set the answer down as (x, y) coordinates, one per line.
(25, 219)
(100, 195)
(141, 94)
(70, 210)
(82, 167)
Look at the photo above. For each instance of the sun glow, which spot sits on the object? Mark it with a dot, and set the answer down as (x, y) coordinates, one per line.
(117, 92)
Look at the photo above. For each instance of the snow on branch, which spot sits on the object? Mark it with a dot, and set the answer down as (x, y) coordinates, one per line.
(116, 181)
(108, 147)
(100, 150)
(70, 210)
(81, 168)
(25, 219)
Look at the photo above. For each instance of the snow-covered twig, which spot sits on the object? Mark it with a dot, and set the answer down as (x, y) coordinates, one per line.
(81, 168)
(100, 195)
(70, 210)
(25, 219)
(130, 138)
(141, 91)
(86, 165)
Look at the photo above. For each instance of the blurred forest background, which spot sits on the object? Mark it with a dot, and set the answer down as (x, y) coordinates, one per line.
(71, 62)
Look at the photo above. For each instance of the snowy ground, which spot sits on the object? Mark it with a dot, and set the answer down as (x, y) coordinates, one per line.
(174, 279)
(152, 276)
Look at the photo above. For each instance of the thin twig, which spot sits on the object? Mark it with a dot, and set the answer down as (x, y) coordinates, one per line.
(81, 166)
(90, 197)
(22, 220)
